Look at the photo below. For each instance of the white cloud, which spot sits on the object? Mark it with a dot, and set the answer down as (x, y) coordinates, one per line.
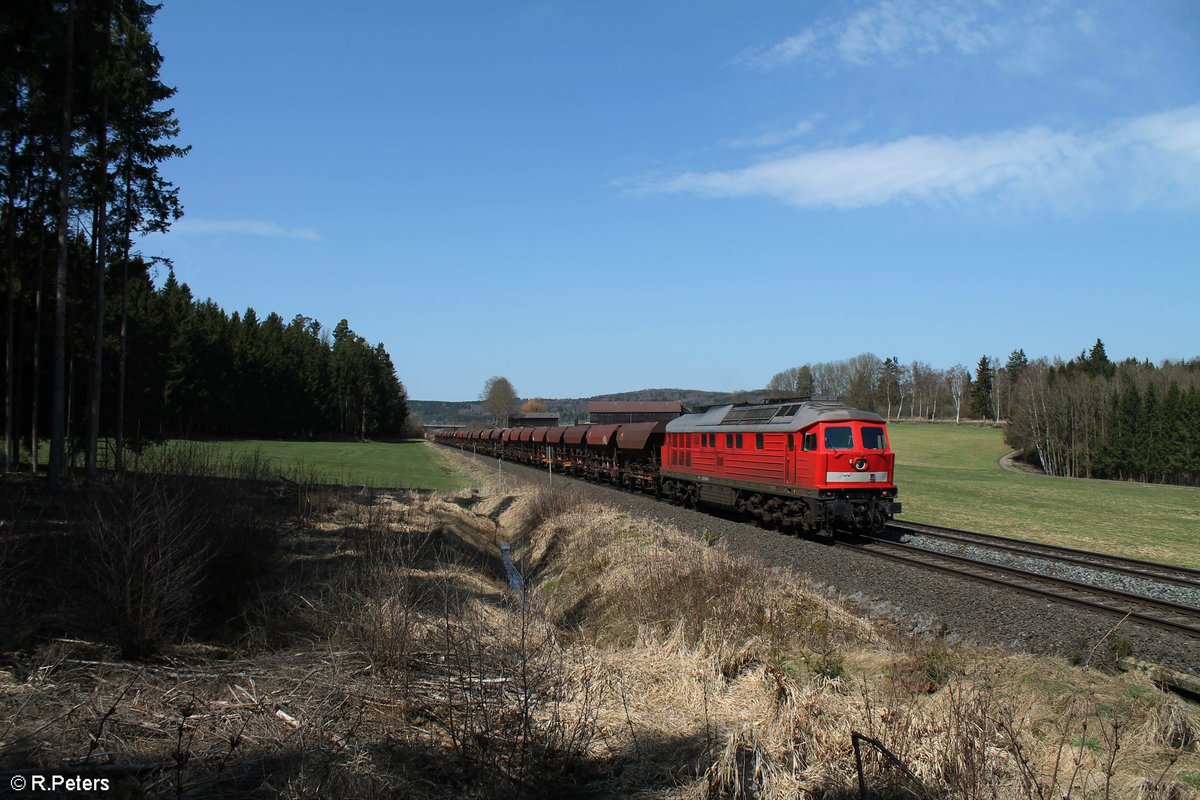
(900, 28)
(247, 227)
(1146, 160)
(777, 137)
(779, 54)
(1028, 40)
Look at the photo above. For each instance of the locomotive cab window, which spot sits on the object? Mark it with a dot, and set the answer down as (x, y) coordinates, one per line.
(873, 439)
(810, 442)
(839, 437)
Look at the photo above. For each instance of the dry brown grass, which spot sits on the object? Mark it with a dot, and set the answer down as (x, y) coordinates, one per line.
(388, 658)
(766, 682)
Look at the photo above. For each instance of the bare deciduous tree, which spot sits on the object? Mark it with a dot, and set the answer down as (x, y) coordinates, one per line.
(957, 378)
(499, 398)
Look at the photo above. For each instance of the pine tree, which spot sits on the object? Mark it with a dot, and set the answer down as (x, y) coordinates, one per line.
(1016, 365)
(1096, 362)
(981, 388)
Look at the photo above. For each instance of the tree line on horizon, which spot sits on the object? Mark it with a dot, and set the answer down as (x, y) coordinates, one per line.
(1088, 417)
(1093, 418)
(205, 372)
(94, 353)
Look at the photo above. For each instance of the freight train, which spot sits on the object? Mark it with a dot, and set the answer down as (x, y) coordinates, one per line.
(796, 464)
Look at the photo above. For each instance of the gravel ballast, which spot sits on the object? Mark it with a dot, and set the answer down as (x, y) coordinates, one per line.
(1046, 565)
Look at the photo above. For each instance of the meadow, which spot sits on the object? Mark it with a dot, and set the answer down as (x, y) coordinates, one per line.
(951, 475)
(414, 464)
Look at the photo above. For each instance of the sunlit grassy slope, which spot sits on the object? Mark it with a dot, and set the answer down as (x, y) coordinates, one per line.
(950, 475)
(400, 465)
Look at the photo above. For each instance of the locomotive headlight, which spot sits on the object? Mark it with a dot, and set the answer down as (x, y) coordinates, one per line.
(860, 463)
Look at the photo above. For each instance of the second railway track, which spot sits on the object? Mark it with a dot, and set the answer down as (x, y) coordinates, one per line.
(1167, 574)
(1095, 594)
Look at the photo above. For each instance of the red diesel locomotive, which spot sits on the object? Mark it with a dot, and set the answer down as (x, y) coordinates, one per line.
(800, 464)
(811, 465)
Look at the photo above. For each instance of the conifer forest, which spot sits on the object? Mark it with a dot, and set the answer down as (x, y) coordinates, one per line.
(103, 347)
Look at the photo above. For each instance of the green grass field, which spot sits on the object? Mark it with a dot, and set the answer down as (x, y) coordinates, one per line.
(951, 475)
(399, 465)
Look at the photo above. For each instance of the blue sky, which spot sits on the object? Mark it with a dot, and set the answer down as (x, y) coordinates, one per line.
(602, 197)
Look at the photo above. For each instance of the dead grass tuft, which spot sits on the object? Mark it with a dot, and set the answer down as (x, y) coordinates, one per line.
(1172, 725)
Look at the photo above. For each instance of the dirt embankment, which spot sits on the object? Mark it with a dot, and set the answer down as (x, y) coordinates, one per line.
(387, 656)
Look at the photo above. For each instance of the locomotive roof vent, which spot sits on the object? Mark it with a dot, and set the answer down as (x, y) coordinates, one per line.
(747, 415)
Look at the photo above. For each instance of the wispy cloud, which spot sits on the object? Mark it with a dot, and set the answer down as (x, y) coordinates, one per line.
(775, 138)
(246, 227)
(777, 55)
(1153, 159)
(905, 31)
(901, 28)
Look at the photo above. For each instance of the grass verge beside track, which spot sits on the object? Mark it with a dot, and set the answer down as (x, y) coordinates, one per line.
(950, 475)
(413, 464)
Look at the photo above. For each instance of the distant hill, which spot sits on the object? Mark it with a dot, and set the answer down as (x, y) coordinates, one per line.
(569, 410)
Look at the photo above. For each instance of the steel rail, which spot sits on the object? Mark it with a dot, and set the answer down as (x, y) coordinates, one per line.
(1137, 568)
(974, 573)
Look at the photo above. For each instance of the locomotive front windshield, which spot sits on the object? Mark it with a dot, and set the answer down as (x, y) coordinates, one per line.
(873, 439)
(839, 437)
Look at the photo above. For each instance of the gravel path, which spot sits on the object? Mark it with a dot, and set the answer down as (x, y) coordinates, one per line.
(916, 600)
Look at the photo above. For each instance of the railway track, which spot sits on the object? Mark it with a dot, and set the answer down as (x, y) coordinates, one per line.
(1166, 614)
(1135, 568)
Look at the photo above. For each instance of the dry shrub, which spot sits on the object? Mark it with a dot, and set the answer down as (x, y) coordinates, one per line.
(925, 664)
(167, 549)
(145, 558)
(378, 604)
(516, 703)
